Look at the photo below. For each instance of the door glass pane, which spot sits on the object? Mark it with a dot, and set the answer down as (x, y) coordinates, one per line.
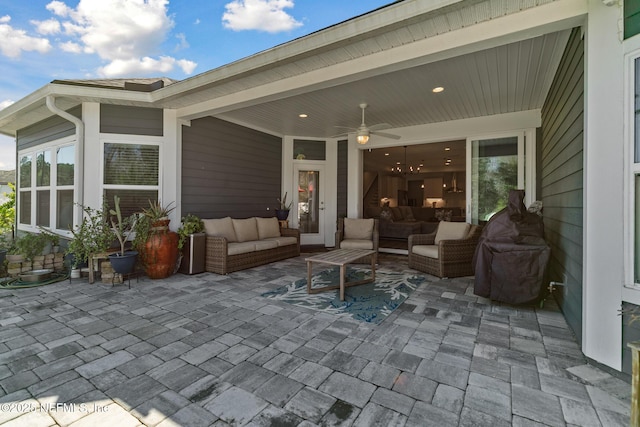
(494, 171)
(308, 201)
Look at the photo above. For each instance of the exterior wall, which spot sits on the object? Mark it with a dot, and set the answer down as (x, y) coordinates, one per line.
(562, 178)
(47, 130)
(130, 120)
(229, 170)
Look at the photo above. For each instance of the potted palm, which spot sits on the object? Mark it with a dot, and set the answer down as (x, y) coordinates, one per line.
(191, 244)
(123, 262)
(157, 244)
(282, 212)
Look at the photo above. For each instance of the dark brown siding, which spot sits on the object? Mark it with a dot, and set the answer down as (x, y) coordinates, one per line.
(562, 178)
(343, 177)
(229, 170)
(130, 120)
(47, 130)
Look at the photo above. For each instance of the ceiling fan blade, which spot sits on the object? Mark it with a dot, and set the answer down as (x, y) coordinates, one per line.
(386, 135)
(347, 127)
(340, 134)
(380, 126)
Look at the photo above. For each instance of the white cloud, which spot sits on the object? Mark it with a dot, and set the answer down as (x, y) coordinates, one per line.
(127, 67)
(124, 33)
(4, 104)
(15, 41)
(182, 41)
(71, 47)
(263, 15)
(48, 27)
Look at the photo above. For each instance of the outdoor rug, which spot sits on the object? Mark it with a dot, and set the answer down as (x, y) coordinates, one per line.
(371, 302)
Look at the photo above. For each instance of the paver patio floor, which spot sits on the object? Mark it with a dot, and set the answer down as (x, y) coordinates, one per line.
(209, 350)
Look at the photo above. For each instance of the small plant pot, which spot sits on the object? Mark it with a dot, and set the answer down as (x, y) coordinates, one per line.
(75, 273)
(125, 263)
(282, 214)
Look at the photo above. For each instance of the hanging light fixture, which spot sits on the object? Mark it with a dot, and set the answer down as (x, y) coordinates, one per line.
(362, 136)
(405, 169)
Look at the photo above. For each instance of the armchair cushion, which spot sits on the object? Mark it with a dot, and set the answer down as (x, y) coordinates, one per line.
(451, 231)
(268, 227)
(358, 229)
(430, 251)
(222, 227)
(246, 229)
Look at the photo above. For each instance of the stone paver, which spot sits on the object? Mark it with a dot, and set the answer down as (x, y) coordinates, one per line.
(209, 350)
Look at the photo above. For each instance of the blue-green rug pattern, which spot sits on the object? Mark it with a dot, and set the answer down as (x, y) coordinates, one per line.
(371, 302)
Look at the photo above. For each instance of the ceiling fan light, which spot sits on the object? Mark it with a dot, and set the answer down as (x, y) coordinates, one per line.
(362, 137)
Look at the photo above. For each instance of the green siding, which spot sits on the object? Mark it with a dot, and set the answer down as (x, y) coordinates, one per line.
(631, 18)
(561, 170)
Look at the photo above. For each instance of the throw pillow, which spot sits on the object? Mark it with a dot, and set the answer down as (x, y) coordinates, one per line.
(268, 227)
(386, 215)
(246, 229)
(451, 231)
(360, 229)
(222, 227)
(397, 214)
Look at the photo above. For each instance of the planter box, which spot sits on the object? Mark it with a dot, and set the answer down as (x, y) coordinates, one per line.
(193, 253)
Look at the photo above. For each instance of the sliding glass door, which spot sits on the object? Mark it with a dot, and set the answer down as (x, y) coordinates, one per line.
(496, 165)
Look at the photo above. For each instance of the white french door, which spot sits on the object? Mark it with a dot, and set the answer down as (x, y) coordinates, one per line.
(496, 165)
(308, 202)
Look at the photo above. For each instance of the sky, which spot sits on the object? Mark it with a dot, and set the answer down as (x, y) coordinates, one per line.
(41, 41)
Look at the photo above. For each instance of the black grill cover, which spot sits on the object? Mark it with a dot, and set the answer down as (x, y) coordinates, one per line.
(512, 255)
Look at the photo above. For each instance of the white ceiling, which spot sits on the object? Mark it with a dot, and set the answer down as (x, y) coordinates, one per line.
(508, 78)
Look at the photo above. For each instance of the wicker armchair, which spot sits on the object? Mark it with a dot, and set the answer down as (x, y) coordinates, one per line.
(357, 234)
(447, 258)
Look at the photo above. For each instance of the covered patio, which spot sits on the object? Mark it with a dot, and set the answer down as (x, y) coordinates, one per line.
(210, 350)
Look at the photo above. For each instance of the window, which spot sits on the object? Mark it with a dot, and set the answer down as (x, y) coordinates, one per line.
(46, 191)
(131, 171)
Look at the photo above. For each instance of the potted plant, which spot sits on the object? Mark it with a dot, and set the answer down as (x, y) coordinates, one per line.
(282, 212)
(157, 244)
(30, 245)
(92, 236)
(123, 262)
(191, 244)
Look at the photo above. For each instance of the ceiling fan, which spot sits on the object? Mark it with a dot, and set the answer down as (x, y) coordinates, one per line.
(363, 131)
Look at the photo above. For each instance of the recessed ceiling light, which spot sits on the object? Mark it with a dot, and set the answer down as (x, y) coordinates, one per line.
(447, 148)
(386, 154)
(437, 89)
(303, 115)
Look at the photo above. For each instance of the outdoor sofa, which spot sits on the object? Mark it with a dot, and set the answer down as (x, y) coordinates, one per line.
(238, 244)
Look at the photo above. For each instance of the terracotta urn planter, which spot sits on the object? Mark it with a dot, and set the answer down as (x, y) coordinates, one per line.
(161, 253)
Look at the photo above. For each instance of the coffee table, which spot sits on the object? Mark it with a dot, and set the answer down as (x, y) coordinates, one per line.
(340, 257)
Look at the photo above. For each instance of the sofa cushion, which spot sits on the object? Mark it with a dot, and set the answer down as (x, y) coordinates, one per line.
(246, 229)
(407, 213)
(222, 227)
(284, 240)
(358, 228)
(262, 245)
(430, 251)
(240, 248)
(356, 244)
(268, 227)
(451, 231)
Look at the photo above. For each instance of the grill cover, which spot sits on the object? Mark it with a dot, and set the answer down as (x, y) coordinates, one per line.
(512, 255)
